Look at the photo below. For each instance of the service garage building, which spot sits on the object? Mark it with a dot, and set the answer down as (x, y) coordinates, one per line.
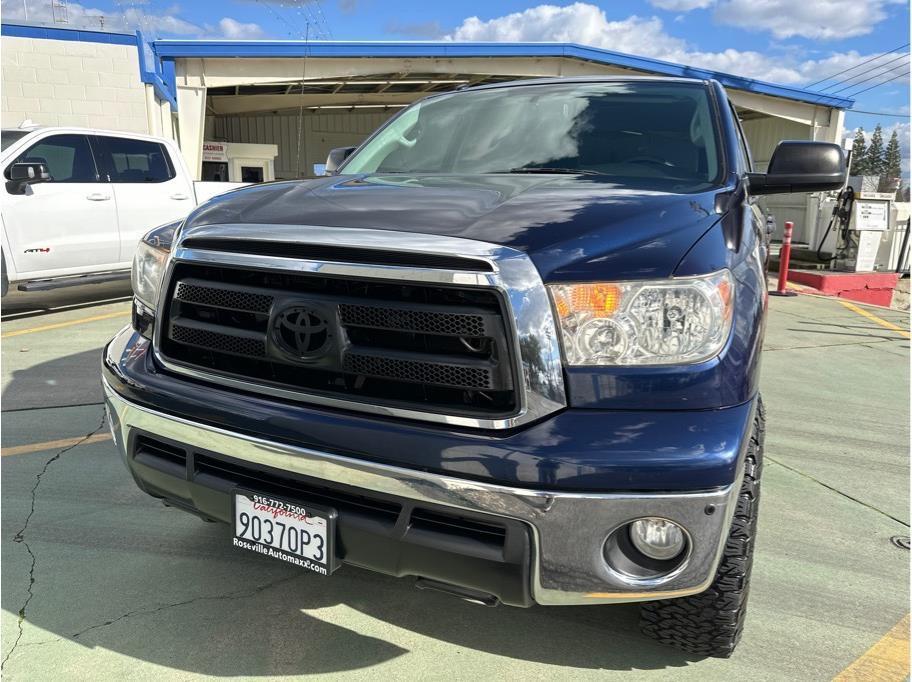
(309, 97)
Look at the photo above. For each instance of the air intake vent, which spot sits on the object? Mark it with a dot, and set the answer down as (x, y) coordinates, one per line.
(232, 299)
(236, 474)
(224, 343)
(160, 455)
(450, 324)
(418, 372)
(427, 520)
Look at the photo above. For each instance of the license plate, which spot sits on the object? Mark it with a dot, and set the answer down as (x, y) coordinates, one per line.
(299, 533)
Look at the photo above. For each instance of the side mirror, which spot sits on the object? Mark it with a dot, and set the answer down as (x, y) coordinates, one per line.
(335, 159)
(27, 173)
(799, 166)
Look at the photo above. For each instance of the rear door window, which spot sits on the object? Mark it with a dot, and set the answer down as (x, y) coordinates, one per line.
(68, 158)
(136, 161)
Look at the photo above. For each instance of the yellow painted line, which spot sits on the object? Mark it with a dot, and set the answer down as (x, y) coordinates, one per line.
(877, 320)
(61, 325)
(54, 444)
(887, 660)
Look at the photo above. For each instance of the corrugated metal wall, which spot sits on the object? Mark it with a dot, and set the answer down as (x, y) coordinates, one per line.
(321, 132)
(763, 134)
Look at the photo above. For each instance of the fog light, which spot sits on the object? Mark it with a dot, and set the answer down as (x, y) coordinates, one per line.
(657, 538)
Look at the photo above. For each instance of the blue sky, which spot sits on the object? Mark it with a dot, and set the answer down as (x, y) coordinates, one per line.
(796, 42)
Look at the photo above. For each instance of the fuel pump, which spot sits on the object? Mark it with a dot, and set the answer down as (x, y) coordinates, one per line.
(862, 223)
(868, 223)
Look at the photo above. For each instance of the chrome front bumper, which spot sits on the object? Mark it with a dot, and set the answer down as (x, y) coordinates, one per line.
(568, 529)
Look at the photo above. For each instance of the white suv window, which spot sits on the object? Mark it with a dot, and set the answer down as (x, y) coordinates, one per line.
(67, 157)
(136, 161)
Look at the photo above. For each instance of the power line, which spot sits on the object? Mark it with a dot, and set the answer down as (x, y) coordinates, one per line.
(280, 17)
(870, 78)
(875, 113)
(824, 80)
(877, 85)
(305, 9)
(904, 55)
(319, 7)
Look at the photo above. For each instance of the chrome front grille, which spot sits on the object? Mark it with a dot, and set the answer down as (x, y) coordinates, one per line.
(433, 328)
(419, 346)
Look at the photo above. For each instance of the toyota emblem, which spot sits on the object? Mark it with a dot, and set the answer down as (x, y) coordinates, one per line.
(301, 331)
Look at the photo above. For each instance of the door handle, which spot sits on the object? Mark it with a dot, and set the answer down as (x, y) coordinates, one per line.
(98, 196)
(179, 197)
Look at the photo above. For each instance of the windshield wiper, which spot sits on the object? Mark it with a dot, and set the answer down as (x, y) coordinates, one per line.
(553, 171)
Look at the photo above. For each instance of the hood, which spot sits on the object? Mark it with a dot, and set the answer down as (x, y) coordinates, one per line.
(573, 227)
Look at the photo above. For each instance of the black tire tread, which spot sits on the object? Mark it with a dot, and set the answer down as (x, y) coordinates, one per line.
(710, 623)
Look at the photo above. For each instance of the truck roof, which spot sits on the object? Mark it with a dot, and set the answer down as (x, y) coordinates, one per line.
(85, 131)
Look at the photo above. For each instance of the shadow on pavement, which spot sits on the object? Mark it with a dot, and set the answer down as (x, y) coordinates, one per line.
(66, 381)
(115, 570)
(292, 624)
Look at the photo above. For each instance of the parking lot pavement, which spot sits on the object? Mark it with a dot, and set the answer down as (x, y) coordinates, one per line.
(112, 585)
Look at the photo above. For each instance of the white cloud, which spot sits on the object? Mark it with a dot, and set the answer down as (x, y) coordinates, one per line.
(682, 5)
(646, 36)
(817, 19)
(579, 22)
(133, 18)
(230, 28)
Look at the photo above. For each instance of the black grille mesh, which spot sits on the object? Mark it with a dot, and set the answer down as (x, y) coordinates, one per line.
(419, 372)
(223, 298)
(203, 338)
(451, 324)
(410, 344)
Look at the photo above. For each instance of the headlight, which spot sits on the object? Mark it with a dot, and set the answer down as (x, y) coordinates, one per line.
(149, 263)
(655, 322)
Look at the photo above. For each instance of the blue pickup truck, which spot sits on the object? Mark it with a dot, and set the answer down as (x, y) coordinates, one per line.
(508, 348)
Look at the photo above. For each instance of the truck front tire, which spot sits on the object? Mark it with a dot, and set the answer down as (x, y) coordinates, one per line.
(710, 623)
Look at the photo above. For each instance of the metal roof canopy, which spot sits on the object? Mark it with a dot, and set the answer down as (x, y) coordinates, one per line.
(169, 50)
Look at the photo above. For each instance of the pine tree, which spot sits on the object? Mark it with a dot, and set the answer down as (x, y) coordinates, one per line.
(874, 157)
(859, 148)
(892, 170)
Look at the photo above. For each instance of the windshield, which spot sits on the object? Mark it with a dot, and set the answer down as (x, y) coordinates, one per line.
(637, 133)
(7, 137)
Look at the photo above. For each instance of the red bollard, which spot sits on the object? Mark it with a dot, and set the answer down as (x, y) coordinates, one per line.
(784, 256)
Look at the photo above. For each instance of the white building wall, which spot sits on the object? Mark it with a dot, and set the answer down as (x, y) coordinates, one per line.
(321, 132)
(63, 82)
(763, 134)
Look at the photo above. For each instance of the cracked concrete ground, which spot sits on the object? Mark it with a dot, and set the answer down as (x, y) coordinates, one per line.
(113, 585)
